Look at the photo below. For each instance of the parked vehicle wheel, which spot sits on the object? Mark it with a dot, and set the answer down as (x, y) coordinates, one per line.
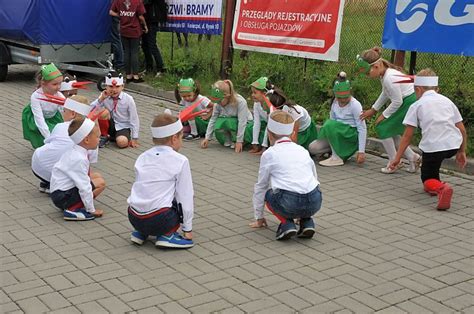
(3, 72)
(101, 84)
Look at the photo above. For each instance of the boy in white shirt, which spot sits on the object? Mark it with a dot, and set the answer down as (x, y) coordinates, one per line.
(442, 135)
(59, 142)
(72, 189)
(120, 123)
(287, 181)
(162, 195)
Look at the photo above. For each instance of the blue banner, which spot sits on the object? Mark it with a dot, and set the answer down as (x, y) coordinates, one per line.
(439, 26)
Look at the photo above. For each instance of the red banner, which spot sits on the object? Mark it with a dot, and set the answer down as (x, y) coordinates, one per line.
(300, 28)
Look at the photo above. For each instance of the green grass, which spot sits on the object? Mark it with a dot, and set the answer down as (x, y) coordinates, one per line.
(310, 86)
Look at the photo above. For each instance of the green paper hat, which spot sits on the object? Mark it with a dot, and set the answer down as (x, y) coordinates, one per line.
(186, 85)
(364, 66)
(50, 72)
(342, 89)
(260, 84)
(216, 94)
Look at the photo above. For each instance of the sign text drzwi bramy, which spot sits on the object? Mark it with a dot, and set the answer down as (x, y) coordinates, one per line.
(300, 28)
(195, 16)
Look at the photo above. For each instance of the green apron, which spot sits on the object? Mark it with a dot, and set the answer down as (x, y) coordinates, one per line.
(393, 125)
(30, 130)
(307, 136)
(343, 138)
(231, 124)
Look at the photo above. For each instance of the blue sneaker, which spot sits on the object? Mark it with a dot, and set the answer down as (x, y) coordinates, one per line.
(286, 231)
(174, 240)
(78, 215)
(307, 229)
(138, 238)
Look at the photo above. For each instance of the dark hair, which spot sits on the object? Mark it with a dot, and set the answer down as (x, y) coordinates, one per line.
(197, 91)
(279, 99)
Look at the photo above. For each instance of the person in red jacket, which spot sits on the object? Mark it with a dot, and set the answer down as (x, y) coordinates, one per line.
(131, 17)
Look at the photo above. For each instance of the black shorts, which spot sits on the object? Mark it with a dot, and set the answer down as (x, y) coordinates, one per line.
(65, 199)
(157, 223)
(116, 133)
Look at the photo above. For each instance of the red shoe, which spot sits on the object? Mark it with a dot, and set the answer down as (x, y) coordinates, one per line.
(445, 194)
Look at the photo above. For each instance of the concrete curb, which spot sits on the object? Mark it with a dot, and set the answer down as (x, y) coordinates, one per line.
(373, 146)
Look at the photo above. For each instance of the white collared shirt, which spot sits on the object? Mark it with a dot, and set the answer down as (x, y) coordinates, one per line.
(349, 114)
(395, 92)
(299, 114)
(239, 110)
(284, 166)
(436, 116)
(125, 114)
(59, 142)
(162, 175)
(72, 170)
(43, 110)
(259, 114)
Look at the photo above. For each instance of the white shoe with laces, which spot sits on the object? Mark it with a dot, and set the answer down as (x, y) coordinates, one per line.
(332, 162)
(388, 170)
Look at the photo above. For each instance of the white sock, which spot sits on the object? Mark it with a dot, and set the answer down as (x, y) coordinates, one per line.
(389, 146)
(192, 124)
(334, 156)
(409, 154)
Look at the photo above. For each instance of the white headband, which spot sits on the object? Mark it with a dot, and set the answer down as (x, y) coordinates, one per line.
(167, 130)
(280, 128)
(83, 131)
(76, 106)
(375, 61)
(67, 86)
(114, 81)
(426, 81)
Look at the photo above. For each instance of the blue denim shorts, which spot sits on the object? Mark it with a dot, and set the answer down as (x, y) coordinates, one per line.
(294, 205)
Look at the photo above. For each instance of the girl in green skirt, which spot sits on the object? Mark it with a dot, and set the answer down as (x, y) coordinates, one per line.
(187, 93)
(229, 117)
(305, 129)
(344, 133)
(39, 117)
(389, 124)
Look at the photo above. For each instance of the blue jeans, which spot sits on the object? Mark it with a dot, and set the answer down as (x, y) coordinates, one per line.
(291, 205)
(158, 223)
(116, 43)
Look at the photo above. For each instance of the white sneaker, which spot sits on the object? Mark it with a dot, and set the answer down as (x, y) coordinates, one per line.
(158, 74)
(332, 162)
(388, 170)
(232, 145)
(227, 143)
(414, 164)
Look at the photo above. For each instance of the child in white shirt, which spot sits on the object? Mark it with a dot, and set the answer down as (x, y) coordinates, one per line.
(59, 142)
(287, 181)
(162, 195)
(443, 135)
(389, 124)
(120, 123)
(72, 189)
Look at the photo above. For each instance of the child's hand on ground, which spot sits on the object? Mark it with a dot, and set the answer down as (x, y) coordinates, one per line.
(238, 147)
(360, 158)
(461, 159)
(394, 164)
(204, 143)
(188, 235)
(133, 144)
(255, 148)
(98, 213)
(366, 114)
(259, 223)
